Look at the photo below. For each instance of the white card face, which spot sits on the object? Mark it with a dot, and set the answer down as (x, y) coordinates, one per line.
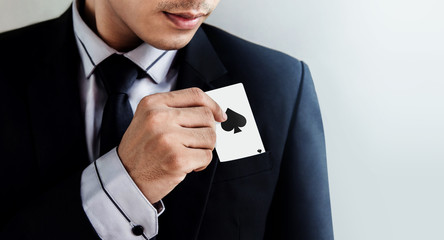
(238, 137)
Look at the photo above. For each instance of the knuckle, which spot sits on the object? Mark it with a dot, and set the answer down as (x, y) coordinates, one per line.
(196, 90)
(147, 101)
(197, 94)
(165, 140)
(212, 138)
(208, 156)
(155, 117)
(208, 114)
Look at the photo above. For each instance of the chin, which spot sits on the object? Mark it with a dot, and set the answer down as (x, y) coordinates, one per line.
(171, 41)
(170, 46)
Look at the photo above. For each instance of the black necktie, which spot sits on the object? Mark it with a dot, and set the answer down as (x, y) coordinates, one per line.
(118, 75)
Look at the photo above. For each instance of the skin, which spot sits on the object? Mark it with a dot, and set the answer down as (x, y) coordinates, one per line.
(171, 134)
(123, 25)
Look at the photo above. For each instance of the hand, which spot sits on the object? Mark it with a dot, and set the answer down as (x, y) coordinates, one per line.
(170, 135)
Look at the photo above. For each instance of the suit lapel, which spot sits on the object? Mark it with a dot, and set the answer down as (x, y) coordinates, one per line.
(57, 121)
(200, 65)
(185, 205)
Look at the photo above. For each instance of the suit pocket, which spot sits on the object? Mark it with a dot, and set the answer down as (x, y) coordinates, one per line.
(243, 167)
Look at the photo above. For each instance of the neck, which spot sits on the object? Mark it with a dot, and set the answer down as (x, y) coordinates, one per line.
(101, 18)
(87, 10)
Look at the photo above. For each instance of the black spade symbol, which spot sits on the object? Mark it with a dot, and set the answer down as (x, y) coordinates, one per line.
(259, 150)
(235, 121)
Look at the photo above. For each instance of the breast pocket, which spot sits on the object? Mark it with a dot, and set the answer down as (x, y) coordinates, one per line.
(243, 167)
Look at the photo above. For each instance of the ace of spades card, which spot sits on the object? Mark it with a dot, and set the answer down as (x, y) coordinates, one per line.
(238, 137)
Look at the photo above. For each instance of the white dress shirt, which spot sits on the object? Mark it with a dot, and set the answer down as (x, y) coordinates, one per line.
(116, 207)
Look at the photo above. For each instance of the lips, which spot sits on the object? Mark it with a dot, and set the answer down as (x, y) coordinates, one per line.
(184, 21)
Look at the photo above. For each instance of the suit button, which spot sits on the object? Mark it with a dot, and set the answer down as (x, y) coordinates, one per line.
(137, 230)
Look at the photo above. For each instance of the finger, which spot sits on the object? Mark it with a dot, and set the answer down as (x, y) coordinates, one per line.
(198, 159)
(198, 138)
(195, 117)
(191, 97)
(200, 169)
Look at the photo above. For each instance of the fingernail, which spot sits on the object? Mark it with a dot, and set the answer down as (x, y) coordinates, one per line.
(225, 116)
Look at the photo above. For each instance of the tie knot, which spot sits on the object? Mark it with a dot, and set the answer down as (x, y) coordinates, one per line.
(117, 73)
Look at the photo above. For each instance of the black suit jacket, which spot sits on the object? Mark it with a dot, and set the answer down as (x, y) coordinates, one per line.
(280, 194)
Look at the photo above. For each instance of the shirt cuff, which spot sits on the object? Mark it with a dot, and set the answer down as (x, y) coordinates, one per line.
(115, 206)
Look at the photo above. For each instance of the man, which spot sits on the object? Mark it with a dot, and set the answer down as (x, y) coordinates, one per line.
(76, 163)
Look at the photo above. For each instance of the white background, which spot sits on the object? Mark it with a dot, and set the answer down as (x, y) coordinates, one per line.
(379, 69)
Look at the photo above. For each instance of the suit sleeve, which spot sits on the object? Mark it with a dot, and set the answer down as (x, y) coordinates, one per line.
(301, 205)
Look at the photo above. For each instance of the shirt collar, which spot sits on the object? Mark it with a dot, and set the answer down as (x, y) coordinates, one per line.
(93, 50)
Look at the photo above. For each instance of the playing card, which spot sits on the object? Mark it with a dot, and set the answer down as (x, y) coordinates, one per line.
(238, 137)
